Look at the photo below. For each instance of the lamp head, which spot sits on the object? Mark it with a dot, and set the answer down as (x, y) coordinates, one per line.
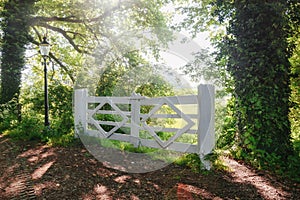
(45, 47)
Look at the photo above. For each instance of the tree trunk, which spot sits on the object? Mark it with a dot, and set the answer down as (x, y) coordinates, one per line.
(260, 67)
(15, 27)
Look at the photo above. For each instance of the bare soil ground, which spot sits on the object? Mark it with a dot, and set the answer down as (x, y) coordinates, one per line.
(29, 170)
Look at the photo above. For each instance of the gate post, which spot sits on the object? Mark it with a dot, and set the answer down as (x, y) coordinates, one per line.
(206, 122)
(135, 118)
(80, 107)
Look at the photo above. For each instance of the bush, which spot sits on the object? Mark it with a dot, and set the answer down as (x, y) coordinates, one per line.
(226, 136)
(30, 128)
(8, 115)
(61, 110)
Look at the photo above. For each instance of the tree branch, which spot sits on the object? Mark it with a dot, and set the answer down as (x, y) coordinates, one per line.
(38, 34)
(64, 33)
(72, 18)
(64, 67)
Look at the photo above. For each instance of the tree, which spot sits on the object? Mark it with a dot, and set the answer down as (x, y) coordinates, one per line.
(256, 52)
(15, 27)
(78, 26)
(262, 77)
(294, 13)
(132, 74)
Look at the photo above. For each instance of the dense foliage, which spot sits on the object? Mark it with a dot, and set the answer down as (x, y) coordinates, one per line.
(78, 31)
(255, 49)
(79, 27)
(135, 75)
(258, 61)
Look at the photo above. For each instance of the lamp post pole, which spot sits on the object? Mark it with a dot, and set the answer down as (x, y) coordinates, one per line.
(45, 49)
(46, 93)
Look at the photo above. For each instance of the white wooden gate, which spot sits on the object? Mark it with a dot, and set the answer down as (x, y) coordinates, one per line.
(200, 123)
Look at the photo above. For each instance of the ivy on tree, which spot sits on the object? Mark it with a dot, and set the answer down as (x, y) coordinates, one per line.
(255, 50)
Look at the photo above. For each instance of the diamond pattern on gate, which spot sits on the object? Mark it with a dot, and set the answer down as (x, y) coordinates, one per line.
(118, 124)
(152, 132)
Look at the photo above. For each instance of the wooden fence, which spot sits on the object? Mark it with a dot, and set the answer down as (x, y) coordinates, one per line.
(138, 120)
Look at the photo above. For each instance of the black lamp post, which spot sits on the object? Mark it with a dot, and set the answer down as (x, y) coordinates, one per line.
(45, 49)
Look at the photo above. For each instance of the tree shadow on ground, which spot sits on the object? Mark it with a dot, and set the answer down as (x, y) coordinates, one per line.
(35, 171)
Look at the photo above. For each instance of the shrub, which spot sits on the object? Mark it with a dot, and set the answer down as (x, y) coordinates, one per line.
(30, 128)
(8, 116)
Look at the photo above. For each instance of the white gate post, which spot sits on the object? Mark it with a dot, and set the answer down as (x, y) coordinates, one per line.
(80, 106)
(206, 121)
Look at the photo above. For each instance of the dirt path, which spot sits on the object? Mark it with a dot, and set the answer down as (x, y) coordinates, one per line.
(36, 171)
